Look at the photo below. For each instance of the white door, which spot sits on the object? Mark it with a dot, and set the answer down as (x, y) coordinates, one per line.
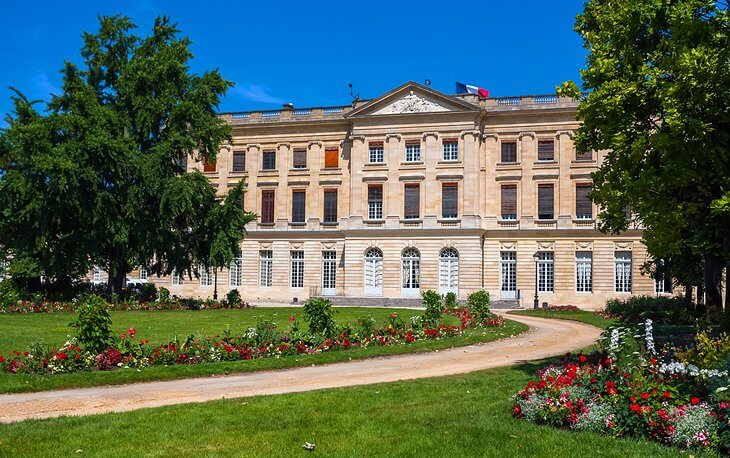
(329, 273)
(449, 272)
(374, 272)
(411, 272)
(508, 275)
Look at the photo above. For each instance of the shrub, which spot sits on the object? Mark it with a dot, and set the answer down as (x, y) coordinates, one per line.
(147, 292)
(233, 298)
(319, 315)
(163, 294)
(478, 304)
(434, 309)
(707, 352)
(450, 301)
(93, 324)
(9, 296)
(636, 309)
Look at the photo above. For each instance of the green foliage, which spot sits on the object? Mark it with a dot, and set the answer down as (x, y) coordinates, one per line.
(233, 298)
(478, 304)
(163, 294)
(450, 300)
(659, 309)
(707, 351)
(8, 294)
(98, 177)
(434, 308)
(319, 315)
(93, 324)
(147, 292)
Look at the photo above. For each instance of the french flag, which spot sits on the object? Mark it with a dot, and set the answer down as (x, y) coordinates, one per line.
(462, 88)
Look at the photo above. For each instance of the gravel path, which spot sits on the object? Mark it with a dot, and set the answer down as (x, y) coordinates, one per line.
(545, 338)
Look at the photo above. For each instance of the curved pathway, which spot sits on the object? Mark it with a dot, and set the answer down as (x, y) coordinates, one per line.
(545, 338)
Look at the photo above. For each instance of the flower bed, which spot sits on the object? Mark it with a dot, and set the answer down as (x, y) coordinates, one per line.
(262, 341)
(629, 389)
(22, 306)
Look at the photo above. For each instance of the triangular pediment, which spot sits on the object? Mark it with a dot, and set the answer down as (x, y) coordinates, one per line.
(412, 98)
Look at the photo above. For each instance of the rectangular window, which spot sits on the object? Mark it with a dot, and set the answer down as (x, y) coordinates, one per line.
(583, 205)
(176, 278)
(235, 270)
(509, 152)
(267, 206)
(331, 158)
(545, 150)
(585, 156)
(375, 201)
(300, 159)
(208, 166)
(269, 160)
(297, 269)
(206, 277)
(450, 200)
(584, 271)
(143, 274)
(451, 150)
(663, 284)
(98, 275)
(239, 161)
(412, 201)
(266, 268)
(376, 153)
(298, 206)
(545, 272)
(623, 271)
(413, 151)
(329, 270)
(545, 201)
(509, 201)
(330, 206)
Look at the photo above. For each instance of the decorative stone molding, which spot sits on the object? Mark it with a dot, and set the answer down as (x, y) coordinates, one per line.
(374, 178)
(493, 135)
(314, 142)
(546, 176)
(546, 246)
(396, 136)
(449, 177)
(283, 145)
(298, 183)
(623, 246)
(584, 246)
(296, 245)
(412, 103)
(265, 245)
(227, 148)
(507, 246)
(357, 137)
(334, 182)
(329, 245)
(427, 134)
(569, 133)
(373, 244)
(475, 133)
(267, 184)
(412, 178)
(447, 244)
(508, 178)
(526, 134)
(253, 145)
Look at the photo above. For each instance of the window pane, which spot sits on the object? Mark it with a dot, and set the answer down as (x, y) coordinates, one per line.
(584, 271)
(451, 150)
(545, 150)
(509, 152)
(375, 201)
(583, 206)
(269, 161)
(265, 268)
(623, 271)
(509, 201)
(300, 159)
(239, 161)
(330, 206)
(412, 201)
(545, 272)
(545, 201)
(299, 203)
(376, 153)
(413, 152)
(267, 206)
(449, 200)
(297, 269)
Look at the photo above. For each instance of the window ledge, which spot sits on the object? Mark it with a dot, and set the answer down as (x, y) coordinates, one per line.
(268, 171)
(297, 224)
(331, 169)
(266, 224)
(448, 220)
(450, 161)
(551, 162)
(412, 163)
(508, 220)
(294, 170)
(329, 223)
(411, 221)
(374, 221)
(508, 164)
(239, 172)
(376, 164)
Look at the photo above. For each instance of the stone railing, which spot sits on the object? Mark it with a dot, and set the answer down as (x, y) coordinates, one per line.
(286, 114)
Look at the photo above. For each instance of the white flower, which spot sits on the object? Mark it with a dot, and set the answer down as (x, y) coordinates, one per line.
(649, 335)
(614, 340)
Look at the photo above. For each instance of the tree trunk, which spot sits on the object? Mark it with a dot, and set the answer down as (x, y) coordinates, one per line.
(713, 287)
(726, 246)
(117, 272)
(687, 299)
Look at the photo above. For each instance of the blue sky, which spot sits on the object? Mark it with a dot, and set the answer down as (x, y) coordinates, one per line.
(307, 52)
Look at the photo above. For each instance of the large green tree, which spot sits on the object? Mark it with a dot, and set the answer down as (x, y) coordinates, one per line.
(100, 177)
(658, 86)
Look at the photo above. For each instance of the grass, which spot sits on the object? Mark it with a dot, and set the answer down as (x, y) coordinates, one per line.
(466, 415)
(583, 316)
(18, 331)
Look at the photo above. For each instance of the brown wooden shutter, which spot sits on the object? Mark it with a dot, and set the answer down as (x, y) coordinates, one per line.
(449, 200)
(208, 166)
(412, 208)
(583, 206)
(330, 206)
(509, 152)
(375, 193)
(298, 205)
(267, 206)
(545, 201)
(509, 201)
(545, 150)
(331, 158)
(269, 160)
(239, 161)
(300, 159)
(585, 156)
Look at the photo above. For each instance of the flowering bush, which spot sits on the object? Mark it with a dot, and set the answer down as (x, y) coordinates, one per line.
(625, 390)
(636, 309)
(264, 340)
(165, 302)
(478, 303)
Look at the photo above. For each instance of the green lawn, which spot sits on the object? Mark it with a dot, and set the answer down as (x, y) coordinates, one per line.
(467, 415)
(583, 316)
(18, 331)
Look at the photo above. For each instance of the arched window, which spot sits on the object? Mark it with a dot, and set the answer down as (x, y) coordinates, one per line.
(449, 271)
(373, 272)
(411, 272)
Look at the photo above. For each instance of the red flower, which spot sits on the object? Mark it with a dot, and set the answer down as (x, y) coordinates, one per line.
(132, 332)
(644, 396)
(667, 395)
(632, 398)
(124, 335)
(2, 359)
(694, 401)
(582, 359)
(516, 411)
(394, 315)
(636, 408)
(611, 387)
(291, 318)
(541, 384)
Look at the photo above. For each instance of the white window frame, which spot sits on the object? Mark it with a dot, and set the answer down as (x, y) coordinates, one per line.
(143, 274)
(376, 154)
(413, 152)
(584, 271)
(296, 269)
(98, 275)
(373, 283)
(235, 270)
(176, 279)
(266, 268)
(206, 276)
(451, 151)
(546, 272)
(623, 271)
(449, 271)
(375, 207)
(329, 272)
(508, 274)
(410, 272)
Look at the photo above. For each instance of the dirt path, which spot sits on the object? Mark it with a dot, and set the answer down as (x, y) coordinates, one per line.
(545, 338)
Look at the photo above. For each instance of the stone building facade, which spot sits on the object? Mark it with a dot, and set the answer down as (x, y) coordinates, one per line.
(419, 190)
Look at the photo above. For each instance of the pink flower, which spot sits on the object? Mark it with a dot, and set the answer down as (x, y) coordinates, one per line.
(132, 332)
